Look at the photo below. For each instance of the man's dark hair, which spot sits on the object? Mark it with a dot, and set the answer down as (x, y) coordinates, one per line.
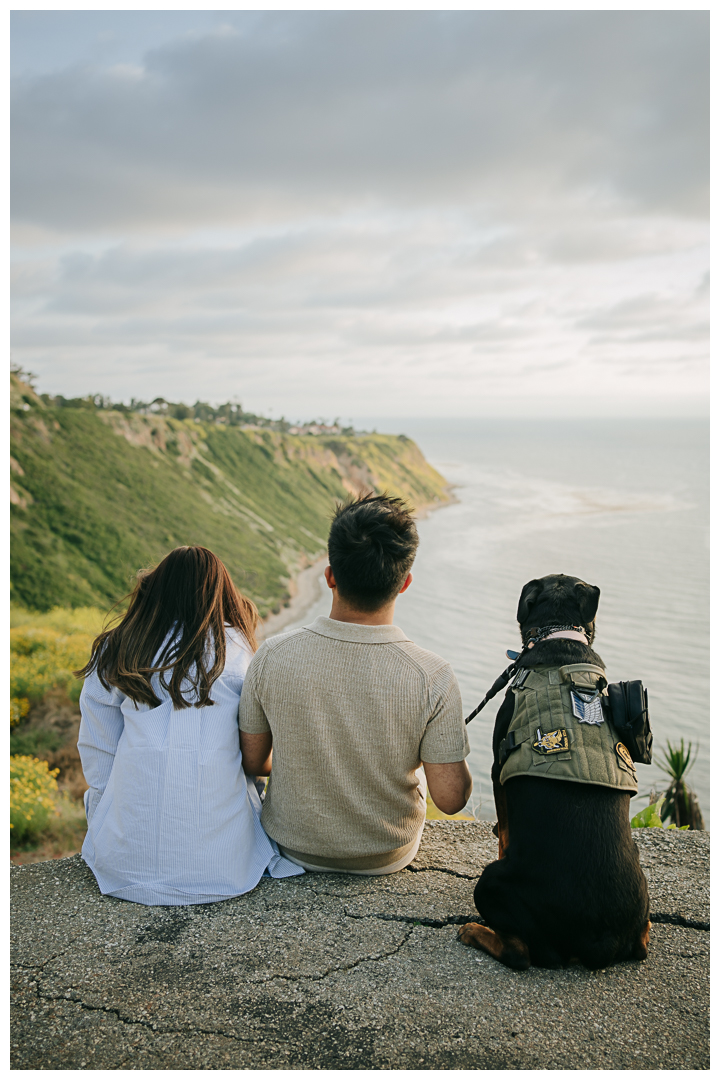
(371, 548)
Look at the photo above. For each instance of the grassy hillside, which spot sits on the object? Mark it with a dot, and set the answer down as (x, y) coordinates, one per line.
(96, 494)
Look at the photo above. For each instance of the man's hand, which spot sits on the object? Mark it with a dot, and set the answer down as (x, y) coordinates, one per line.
(450, 785)
(257, 753)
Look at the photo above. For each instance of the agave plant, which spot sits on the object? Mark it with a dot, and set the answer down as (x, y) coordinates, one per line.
(680, 803)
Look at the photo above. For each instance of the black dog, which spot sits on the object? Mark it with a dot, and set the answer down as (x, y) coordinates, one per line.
(567, 885)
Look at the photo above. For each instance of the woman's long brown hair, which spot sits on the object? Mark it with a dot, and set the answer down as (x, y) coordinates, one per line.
(184, 604)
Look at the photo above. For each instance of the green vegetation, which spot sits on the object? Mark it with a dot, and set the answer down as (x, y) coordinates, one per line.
(33, 788)
(45, 649)
(231, 412)
(44, 821)
(652, 818)
(98, 493)
(680, 803)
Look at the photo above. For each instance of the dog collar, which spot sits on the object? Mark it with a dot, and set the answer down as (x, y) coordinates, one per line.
(571, 635)
(543, 633)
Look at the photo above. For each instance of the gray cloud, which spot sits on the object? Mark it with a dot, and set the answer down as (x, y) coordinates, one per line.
(338, 296)
(322, 109)
(314, 210)
(649, 318)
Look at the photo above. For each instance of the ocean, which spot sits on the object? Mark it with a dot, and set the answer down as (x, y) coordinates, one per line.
(622, 504)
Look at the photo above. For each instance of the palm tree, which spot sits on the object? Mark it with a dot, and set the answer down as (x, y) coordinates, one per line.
(680, 802)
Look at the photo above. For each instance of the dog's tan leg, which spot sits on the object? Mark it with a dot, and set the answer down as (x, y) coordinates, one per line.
(506, 948)
(641, 948)
(503, 833)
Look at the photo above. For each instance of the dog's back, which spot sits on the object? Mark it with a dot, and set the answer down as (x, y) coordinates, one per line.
(570, 885)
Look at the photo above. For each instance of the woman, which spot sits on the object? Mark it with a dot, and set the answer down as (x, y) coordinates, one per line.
(171, 819)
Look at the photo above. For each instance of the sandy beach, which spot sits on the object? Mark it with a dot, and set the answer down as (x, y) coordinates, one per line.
(309, 585)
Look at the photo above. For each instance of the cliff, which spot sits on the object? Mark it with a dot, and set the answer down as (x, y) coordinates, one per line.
(330, 971)
(97, 494)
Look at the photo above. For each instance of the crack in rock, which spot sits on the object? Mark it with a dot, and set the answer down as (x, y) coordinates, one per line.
(340, 967)
(416, 920)
(661, 918)
(155, 1026)
(48, 959)
(678, 920)
(441, 870)
(73, 996)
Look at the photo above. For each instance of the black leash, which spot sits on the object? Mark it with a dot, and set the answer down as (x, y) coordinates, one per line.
(499, 684)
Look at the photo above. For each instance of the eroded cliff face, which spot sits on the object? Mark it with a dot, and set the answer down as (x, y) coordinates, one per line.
(96, 494)
(360, 461)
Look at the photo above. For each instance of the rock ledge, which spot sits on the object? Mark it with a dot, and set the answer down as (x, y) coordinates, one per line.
(338, 972)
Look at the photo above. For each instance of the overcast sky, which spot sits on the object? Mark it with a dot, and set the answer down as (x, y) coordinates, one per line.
(364, 213)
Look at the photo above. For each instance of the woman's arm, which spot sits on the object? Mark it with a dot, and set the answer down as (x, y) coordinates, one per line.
(101, 726)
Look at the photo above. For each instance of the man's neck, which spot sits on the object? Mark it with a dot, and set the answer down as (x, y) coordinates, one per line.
(344, 612)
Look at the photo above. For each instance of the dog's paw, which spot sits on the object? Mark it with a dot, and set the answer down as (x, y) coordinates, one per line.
(507, 948)
(640, 952)
(472, 933)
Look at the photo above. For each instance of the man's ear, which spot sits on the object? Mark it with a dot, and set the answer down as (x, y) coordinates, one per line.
(528, 596)
(330, 578)
(588, 597)
(408, 582)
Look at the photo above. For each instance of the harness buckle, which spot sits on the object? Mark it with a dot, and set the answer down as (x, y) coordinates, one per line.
(507, 745)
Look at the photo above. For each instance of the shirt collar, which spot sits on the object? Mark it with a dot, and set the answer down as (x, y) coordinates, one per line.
(358, 632)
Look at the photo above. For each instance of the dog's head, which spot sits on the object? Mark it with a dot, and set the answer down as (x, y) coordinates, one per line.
(558, 599)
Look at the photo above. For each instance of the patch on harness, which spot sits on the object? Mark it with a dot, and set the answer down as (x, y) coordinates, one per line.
(551, 742)
(587, 707)
(622, 752)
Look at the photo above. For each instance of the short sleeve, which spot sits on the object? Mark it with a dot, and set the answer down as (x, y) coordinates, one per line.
(251, 715)
(238, 655)
(445, 739)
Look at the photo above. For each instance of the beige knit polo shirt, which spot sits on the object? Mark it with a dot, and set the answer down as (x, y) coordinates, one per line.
(353, 712)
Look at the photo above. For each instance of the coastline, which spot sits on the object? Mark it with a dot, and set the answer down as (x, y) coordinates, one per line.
(307, 588)
(427, 509)
(309, 585)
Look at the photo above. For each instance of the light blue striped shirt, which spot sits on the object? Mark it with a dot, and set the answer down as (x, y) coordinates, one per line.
(171, 818)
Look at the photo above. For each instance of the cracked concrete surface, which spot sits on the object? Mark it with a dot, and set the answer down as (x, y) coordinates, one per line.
(333, 971)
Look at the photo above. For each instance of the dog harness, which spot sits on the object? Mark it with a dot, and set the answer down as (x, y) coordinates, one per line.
(560, 728)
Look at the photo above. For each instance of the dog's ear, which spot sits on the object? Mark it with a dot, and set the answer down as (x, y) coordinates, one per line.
(588, 597)
(528, 596)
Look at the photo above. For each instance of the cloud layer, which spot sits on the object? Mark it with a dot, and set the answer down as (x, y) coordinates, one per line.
(309, 209)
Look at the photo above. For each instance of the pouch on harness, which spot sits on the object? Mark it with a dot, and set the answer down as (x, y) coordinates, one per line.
(627, 703)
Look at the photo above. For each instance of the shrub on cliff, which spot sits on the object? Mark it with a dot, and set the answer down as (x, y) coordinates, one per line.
(44, 651)
(42, 659)
(33, 790)
(680, 803)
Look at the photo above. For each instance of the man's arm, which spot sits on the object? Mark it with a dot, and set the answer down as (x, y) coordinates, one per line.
(257, 753)
(445, 746)
(450, 785)
(255, 734)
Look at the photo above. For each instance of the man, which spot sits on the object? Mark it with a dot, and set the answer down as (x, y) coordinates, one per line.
(345, 710)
